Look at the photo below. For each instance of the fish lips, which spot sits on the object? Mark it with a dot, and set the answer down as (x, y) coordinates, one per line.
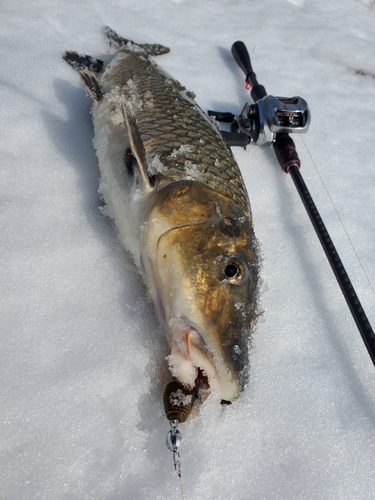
(191, 361)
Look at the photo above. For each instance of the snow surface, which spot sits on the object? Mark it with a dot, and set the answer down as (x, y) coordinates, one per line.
(82, 358)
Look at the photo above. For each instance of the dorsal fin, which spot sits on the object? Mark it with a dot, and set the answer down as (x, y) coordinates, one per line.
(136, 144)
(83, 61)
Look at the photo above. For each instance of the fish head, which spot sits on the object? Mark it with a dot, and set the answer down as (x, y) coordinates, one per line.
(205, 273)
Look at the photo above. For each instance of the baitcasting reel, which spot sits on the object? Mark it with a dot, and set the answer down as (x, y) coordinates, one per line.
(260, 122)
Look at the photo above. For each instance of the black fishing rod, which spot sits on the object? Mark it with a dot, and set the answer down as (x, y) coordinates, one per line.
(269, 121)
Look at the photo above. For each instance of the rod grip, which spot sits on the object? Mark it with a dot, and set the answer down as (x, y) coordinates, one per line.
(285, 151)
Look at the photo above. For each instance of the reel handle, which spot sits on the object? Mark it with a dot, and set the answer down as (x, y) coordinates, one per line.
(242, 58)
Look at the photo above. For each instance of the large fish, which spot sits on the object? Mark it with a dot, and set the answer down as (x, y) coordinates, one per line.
(177, 197)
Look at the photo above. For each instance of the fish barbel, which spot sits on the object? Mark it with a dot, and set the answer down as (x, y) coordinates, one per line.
(177, 197)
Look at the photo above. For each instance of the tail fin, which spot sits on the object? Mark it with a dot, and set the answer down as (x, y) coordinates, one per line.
(117, 41)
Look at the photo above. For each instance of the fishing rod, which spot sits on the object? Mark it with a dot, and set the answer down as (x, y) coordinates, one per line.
(268, 122)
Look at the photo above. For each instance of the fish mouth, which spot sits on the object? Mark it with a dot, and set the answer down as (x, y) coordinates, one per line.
(194, 364)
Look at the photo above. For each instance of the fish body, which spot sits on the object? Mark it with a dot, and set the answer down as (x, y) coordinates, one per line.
(178, 200)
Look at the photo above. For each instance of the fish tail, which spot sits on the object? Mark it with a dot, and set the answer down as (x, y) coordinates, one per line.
(117, 42)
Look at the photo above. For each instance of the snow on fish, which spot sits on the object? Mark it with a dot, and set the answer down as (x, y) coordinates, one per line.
(178, 200)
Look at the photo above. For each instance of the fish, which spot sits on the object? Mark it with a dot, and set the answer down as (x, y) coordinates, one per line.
(179, 203)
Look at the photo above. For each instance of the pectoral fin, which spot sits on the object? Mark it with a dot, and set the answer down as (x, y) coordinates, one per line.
(91, 85)
(136, 145)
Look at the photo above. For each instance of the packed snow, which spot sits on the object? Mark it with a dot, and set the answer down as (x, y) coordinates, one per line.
(83, 364)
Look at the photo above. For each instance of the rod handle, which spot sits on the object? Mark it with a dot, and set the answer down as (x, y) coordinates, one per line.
(285, 151)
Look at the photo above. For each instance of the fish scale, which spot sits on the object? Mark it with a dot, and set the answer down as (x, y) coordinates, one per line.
(171, 119)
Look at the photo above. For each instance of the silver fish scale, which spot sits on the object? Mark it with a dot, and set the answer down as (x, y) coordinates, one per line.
(173, 128)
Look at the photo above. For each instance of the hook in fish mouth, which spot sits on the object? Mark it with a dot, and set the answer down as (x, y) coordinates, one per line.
(195, 366)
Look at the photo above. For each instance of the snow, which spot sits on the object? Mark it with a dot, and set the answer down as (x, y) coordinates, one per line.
(82, 358)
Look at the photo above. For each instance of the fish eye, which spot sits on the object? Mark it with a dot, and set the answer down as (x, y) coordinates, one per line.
(234, 272)
(231, 270)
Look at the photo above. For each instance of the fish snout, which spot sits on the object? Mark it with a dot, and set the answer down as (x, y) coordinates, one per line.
(195, 365)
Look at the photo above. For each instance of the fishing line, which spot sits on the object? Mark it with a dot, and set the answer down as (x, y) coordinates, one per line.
(338, 215)
(173, 444)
